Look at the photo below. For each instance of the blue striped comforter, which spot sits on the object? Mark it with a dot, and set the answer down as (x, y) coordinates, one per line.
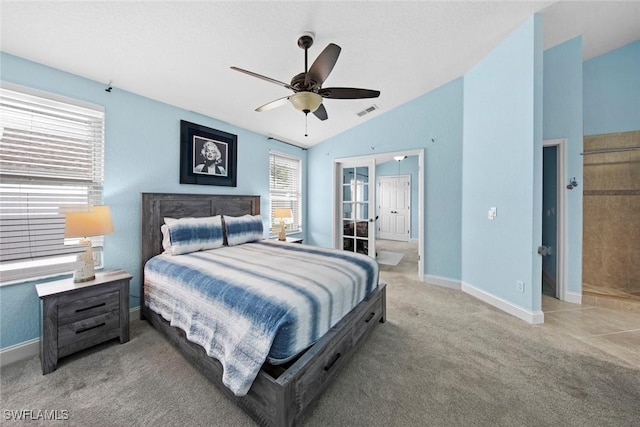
(257, 301)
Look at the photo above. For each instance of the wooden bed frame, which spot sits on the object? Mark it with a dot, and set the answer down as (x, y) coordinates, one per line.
(281, 395)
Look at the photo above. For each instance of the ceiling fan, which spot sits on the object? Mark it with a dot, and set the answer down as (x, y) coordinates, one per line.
(307, 86)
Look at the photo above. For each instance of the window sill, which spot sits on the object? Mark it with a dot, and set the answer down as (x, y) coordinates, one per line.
(289, 233)
(35, 271)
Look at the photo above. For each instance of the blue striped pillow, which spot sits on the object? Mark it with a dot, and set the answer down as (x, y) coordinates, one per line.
(195, 234)
(243, 229)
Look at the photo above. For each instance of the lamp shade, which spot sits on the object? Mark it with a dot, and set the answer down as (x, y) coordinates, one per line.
(307, 102)
(282, 213)
(97, 222)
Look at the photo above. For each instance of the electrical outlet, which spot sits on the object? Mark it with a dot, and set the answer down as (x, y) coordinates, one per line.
(520, 285)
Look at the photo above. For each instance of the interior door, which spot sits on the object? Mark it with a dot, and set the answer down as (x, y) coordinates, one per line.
(394, 195)
(357, 233)
(549, 220)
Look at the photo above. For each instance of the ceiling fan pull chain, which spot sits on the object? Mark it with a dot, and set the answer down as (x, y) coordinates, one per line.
(306, 122)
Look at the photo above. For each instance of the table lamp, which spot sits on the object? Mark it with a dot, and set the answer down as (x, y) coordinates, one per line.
(96, 222)
(283, 214)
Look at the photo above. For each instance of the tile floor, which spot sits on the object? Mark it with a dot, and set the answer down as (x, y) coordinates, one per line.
(616, 332)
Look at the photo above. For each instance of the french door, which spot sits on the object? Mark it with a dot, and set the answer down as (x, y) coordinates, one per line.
(357, 210)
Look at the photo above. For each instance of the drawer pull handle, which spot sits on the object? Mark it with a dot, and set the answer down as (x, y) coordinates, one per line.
(335, 359)
(79, 331)
(89, 308)
(370, 317)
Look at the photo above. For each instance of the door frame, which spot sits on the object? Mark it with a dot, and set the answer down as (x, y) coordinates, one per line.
(380, 158)
(561, 215)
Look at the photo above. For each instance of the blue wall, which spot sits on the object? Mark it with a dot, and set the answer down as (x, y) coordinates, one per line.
(612, 91)
(562, 118)
(502, 161)
(436, 115)
(408, 166)
(142, 151)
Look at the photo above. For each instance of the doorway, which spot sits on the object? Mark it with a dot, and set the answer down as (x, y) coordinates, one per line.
(553, 280)
(344, 219)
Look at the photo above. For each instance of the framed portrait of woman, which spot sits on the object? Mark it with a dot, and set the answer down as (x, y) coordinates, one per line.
(207, 156)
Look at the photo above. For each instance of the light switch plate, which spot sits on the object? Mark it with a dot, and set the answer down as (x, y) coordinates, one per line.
(493, 212)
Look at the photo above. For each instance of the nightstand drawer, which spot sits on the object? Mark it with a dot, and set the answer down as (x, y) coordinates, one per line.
(87, 332)
(72, 308)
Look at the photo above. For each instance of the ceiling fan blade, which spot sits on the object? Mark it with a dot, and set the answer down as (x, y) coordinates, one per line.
(260, 76)
(273, 104)
(321, 113)
(348, 93)
(323, 65)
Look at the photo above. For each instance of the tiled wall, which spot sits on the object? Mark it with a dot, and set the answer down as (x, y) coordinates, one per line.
(611, 236)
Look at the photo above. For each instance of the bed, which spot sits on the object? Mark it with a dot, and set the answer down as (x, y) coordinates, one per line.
(281, 394)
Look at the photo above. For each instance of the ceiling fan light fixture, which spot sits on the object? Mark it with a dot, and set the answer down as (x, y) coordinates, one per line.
(399, 158)
(307, 102)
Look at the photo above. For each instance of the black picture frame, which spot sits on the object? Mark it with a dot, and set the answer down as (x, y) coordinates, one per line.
(207, 156)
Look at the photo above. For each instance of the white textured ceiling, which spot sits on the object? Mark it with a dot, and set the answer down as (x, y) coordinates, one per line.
(180, 52)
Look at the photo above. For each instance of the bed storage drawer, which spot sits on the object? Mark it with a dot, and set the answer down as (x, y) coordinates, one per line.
(326, 365)
(371, 315)
(342, 342)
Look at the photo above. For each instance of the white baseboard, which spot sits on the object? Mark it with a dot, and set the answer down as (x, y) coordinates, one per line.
(21, 351)
(573, 297)
(27, 349)
(533, 317)
(444, 282)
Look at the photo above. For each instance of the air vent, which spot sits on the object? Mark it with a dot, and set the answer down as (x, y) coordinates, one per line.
(367, 110)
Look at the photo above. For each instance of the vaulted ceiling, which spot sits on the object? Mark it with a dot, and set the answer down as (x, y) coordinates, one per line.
(180, 52)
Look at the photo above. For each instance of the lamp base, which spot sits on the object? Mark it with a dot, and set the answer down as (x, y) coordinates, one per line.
(84, 271)
(282, 236)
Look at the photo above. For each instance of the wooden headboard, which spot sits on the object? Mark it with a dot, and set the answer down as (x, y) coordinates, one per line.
(157, 206)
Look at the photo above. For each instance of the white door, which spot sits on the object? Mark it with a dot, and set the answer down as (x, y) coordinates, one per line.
(357, 232)
(394, 210)
(554, 221)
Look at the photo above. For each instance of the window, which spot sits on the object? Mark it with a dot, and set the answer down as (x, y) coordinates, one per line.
(51, 162)
(285, 183)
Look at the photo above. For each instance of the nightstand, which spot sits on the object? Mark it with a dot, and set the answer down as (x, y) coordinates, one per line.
(76, 316)
(292, 240)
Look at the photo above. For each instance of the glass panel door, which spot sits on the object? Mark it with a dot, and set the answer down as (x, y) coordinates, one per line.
(357, 225)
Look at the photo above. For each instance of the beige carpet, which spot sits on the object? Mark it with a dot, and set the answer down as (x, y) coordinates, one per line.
(442, 359)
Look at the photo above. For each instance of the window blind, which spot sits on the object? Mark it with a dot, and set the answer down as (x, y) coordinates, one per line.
(285, 189)
(51, 162)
